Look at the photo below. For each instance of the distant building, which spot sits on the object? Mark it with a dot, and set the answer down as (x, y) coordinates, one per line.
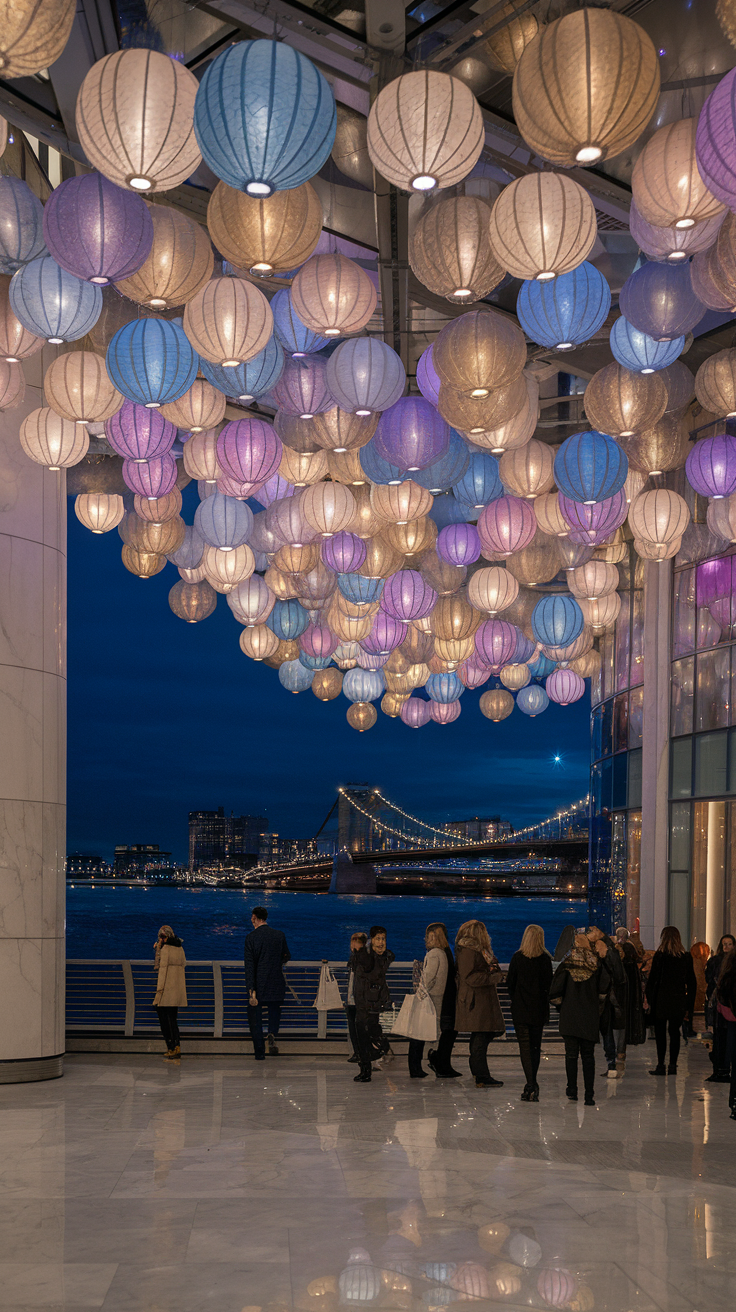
(216, 839)
(86, 865)
(131, 861)
(480, 829)
(275, 850)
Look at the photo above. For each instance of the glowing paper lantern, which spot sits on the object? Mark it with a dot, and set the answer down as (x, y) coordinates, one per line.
(288, 619)
(386, 634)
(590, 467)
(295, 677)
(564, 687)
(556, 1285)
(265, 235)
(302, 469)
(714, 141)
(407, 596)
(450, 253)
(621, 402)
(12, 385)
(478, 353)
(223, 522)
(557, 620)
(399, 503)
(659, 300)
(586, 87)
(415, 712)
(602, 613)
(492, 590)
(251, 379)
(288, 522)
(496, 705)
(228, 321)
(540, 562)
(711, 466)
(189, 554)
(34, 35)
(667, 186)
(516, 28)
(542, 224)
(363, 685)
(444, 687)
(365, 375)
(458, 544)
(200, 408)
(425, 130)
(673, 244)
(659, 518)
(252, 603)
(591, 524)
(567, 311)
(178, 265)
(495, 643)
(303, 389)
(138, 433)
(528, 471)
(715, 384)
(442, 473)
(427, 378)
(453, 618)
(151, 362)
(515, 677)
(355, 587)
(151, 479)
(517, 430)
(144, 564)
(445, 712)
(327, 684)
(95, 230)
(134, 120)
(77, 387)
(638, 351)
(259, 642)
(332, 295)
(16, 343)
(99, 511)
(337, 430)
(549, 516)
(49, 440)
(476, 416)
(592, 580)
(225, 568)
(480, 484)
(532, 700)
(661, 448)
(709, 283)
(361, 716)
(328, 507)
(21, 225)
(411, 435)
(52, 303)
(294, 336)
(506, 525)
(344, 552)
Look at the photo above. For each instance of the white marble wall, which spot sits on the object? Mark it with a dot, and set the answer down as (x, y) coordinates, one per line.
(32, 747)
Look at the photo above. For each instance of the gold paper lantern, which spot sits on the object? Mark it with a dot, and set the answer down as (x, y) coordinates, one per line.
(586, 87)
(327, 684)
(657, 551)
(350, 151)
(339, 430)
(661, 448)
(398, 662)
(593, 580)
(362, 716)
(659, 517)
(400, 685)
(540, 562)
(355, 608)
(160, 539)
(283, 586)
(506, 46)
(454, 617)
(587, 665)
(144, 564)
(179, 264)
(381, 558)
(200, 456)
(615, 550)
(549, 516)
(135, 120)
(496, 704)
(99, 511)
(722, 518)
(349, 628)
(397, 503)
(492, 1237)
(437, 665)
(601, 614)
(302, 468)
(563, 655)
(34, 33)
(666, 184)
(49, 440)
(517, 430)
(620, 402)
(478, 353)
(515, 677)
(542, 224)
(528, 471)
(679, 385)
(328, 508)
(200, 408)
(450, 252)
(715, 384)
(77, 386)
(296, 560)
(483, 414)
(391, 704)
(192, 602)
(440, 574)
(287, 650)
(16, 343)
(259, 642)
(709, 281)
(224, 569)
(418, 646)
(12, 385)
(345, 467)
(425, 130)
(492, 589)
(411, 539)
(268, 235)
(365, 522)
(332, 295)
(228, 321)
(297, 434)
(157, 510)
(454, 650)
(726, 15)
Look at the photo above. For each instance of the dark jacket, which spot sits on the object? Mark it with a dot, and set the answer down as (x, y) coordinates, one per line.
(371, 990)
(614, 1008)
(265, 954)
(580, 1001)
(671, 986)
(636, 1024)
(478, 1009)
(449, 997)
(528, 982)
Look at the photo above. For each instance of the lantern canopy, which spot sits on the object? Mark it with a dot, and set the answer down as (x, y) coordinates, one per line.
(659, 300)
(425, 130)
(557, 620)
(590, 467)
(250, 379)
(411, 434)
(52, 303)
(268, 235)
(638, 351)
(365, 375)
(95, 230)
(151, 361)
(711, 466)
(178, 265)
(333, 295)
(566, 312)
(542, 225)
(532, 700)
(21, 225)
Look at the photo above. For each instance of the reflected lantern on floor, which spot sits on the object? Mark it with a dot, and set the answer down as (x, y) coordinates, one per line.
(425, 130)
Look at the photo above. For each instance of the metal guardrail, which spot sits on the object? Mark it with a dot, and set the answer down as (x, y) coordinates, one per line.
(116, 997)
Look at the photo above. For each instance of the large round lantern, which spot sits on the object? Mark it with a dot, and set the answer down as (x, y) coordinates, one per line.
(450, 252)
(200, 408)
(602, 613)
(711, 466)
(134, 120)
(361, 716)
(151, 361)
(327, 684)
(387, 633)
(277, 134)
(332, 295)
(139, 434)
(318, 641)
(16, 343)
(95, 230)
(492, 590)
(411, 434)
(12, 385)
(425, 130)
(444, 687)
(710, 281)
(287, 520)
(407, 596)
(338, 430)
(714, 141)
(458, 544)
(265, 235)
(620, 402)
(566, 312)
(328, 507)
(344, 552)
(193, 602)
(365, 375)
(661, 448)
(223, 522)
(363, 685)
(34, 35)
(590, 467)
(591, 524)
(516, 431)
(258, 642)
(295, 677)
(506, 525)
(532, 700)
(228, 321)
(99, 511)
(659, 518)
(453, 618)
(441, 474)
(564, 687)
(52, 303)
(478, 353)
(513, 28)
(415, 712)
(151, 479)
(477, 417)
(638, 351)
(542, 224)
(178, 265)
(668, 189)
(21, 225)
(288, 619)
(302, 468)
(528, 471)
(77, 387)
(715, 384)
(302, 388)
(49, 440)
(252, 603)
(496, 704)
(480, 484)
(251, 379)
(549, 516)
(144, 564)
(586, 87)
(495, 643)
(427, 377)
(356, 588)
(557, 620)
(673, 245)
(398, 503)
(659, 300)
(594, 579)
(515, 677)
(294, 336)
(540, 562)
(445, 712)
(225, 568)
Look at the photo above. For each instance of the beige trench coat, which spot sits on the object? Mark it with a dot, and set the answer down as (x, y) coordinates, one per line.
(172, 988)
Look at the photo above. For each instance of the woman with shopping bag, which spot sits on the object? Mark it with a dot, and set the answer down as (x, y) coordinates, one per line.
(419, 1015)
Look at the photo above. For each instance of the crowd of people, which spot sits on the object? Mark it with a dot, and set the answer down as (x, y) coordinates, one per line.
(602, 989)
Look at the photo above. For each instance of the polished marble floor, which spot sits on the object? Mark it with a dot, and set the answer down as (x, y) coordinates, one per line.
(223, 1184)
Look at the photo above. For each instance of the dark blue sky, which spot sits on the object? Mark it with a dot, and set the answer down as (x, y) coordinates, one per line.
(167, 717)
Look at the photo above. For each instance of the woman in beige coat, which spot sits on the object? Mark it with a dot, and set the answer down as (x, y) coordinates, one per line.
(478, 1011)
(170, 964)
(433, 981)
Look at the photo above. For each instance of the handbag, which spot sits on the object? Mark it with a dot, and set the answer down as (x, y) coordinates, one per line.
(328, 991)
(417, 1018)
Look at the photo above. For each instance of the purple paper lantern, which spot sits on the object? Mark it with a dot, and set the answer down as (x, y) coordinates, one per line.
(564, 687)
(427, 377)
(711, 466)
(230, 487)
(524, 649)
(590, 525)
(407, 596)
(371, 660)
(659, 300)
(458, 544)
(411, 434)
(444, 712)
(495, 643)
(713, 580)
(95, 230)
(387, 633)
(714, 141)
(274, 489)
(152, 479)
(249, 451)
(318, 640)
(416, 712)
(472, 674)
(506, 525)
(302, 388)
(139, 434)
(344, 552)
(557, 1286)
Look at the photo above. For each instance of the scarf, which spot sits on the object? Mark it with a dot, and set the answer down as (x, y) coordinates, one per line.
(581, 963)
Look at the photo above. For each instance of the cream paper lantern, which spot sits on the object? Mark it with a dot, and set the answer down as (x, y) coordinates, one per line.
(34, 34)
(615, 550)
(453, 651)
(193, 575)
(492, 589)
(251, 601)
(78, 388)
(223, 569)
(399, 502)
(542, 224)
(199, 409)
(450, 253)
(333, 296)
(715, 384)
(296, 560)
(528, 471)
(620, 402)
(339, 430)
(478, 353)
(228, 321)
(601, 614)
(659, 449)
(721, 518)
(157, 510)
(349, 628)
(144, 564)
(328, 508)
(355, 608)
(658, 518)
(302, 468)
(49, 440)
(454, 618)
(635, 481)
(391, 704)
(16, 343)
(563, 655)
(411, 539)
(298, 434)
(200, 456)
(179, 264)
(517, 27)
(593, 580)
(316, 588)
(381, 558)
(588, 665)
(586, 87)
(99, 511)
(350, 151)
(135, 120)
(515, 432)
(496, 704)
(283, 586)
(425, 130)
(549, 516)
(540, 562)
(345, 467)
(12, 385)
(159, 539)
(657, 551)
(269, 235)
(365, 522)
(666, 184)
(515, 677)
(483, 414)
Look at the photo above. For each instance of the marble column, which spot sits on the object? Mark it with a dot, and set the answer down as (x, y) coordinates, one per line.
(655, 751)
(33, 755)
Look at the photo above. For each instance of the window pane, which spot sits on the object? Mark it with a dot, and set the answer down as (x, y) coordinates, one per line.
(633, 861)
(618, 867)
(683, 615)
(710, 764)
(637, 639)
(683, 683)
(713, 589)
(680, 836)
(607, 665)
(622, 644)
(681, 776)
(679, 901)
(607, 729)
(636, 711)
(620, 722)
(634, 797)
(712, 689)
(595, 733)
(618, 788)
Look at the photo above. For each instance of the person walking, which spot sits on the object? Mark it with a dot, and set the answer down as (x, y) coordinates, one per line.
(528, 980)
(579, 988)
(613, 1015)
(670, 995)
(433, 980)
(372, 996)
(357, 941)
(713, 1019)
(478, 1011)
(440, 1058)
(265, 953)
(726, 1003)
(171, 994)
(635, 1024)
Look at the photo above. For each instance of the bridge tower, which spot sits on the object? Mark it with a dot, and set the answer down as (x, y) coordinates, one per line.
(356, 831)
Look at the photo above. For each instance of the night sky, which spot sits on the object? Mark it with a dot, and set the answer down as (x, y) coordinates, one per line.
(167, 717)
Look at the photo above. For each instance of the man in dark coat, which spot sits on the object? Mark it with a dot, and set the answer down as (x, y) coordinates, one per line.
(265, 955)
(372, 997)
(579, 988)
(613, 1016)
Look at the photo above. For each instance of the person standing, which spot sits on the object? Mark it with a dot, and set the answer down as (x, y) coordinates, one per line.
(433, 981)
(670, 995)
(579, 988)
(357, 941)
(528, 980)
(613, 1016)
(478, 1011)
(171, 993)
(713, 1019)
(440, 1058)
(372, 996)
(726, 1003)
(265, 954)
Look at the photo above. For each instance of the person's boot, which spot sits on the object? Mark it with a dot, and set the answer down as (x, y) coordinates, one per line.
(526, 1095)
(589, 1099)
(418, 1074)
(432, 1060)
(671, 1070)
(658, 1070)
(354, 1057)
(363, 1076)
(174, 1053)
(272, 1049)
(571, 1071)
(534, 1097)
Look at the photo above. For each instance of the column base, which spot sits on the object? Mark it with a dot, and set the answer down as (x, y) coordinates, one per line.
(31, 1068)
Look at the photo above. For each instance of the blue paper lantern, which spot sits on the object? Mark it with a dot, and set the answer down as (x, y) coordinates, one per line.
(363, 685)
(590, 467)
(448, 510)
(566, 311)
(288, 619)
(442, 473)
(541, 667)
(557, 620)
(151, 361)
(445, 687)
(481, 483)
(639, 352)
(264, 117)
(223, 521)
(294, 336)
(314, 662)
(21, 225)
(360, 590)
(247, 381)
(52, 303)
(532, 700)
(295, 677)
(377, 469)
(658, 299)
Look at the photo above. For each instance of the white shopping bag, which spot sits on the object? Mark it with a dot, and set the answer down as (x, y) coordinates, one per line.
(328, 991)
(417, 1018)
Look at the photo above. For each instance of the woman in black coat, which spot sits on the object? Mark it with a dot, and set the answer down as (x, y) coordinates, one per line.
(528, 980)
(579, 989)
(670, 994)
